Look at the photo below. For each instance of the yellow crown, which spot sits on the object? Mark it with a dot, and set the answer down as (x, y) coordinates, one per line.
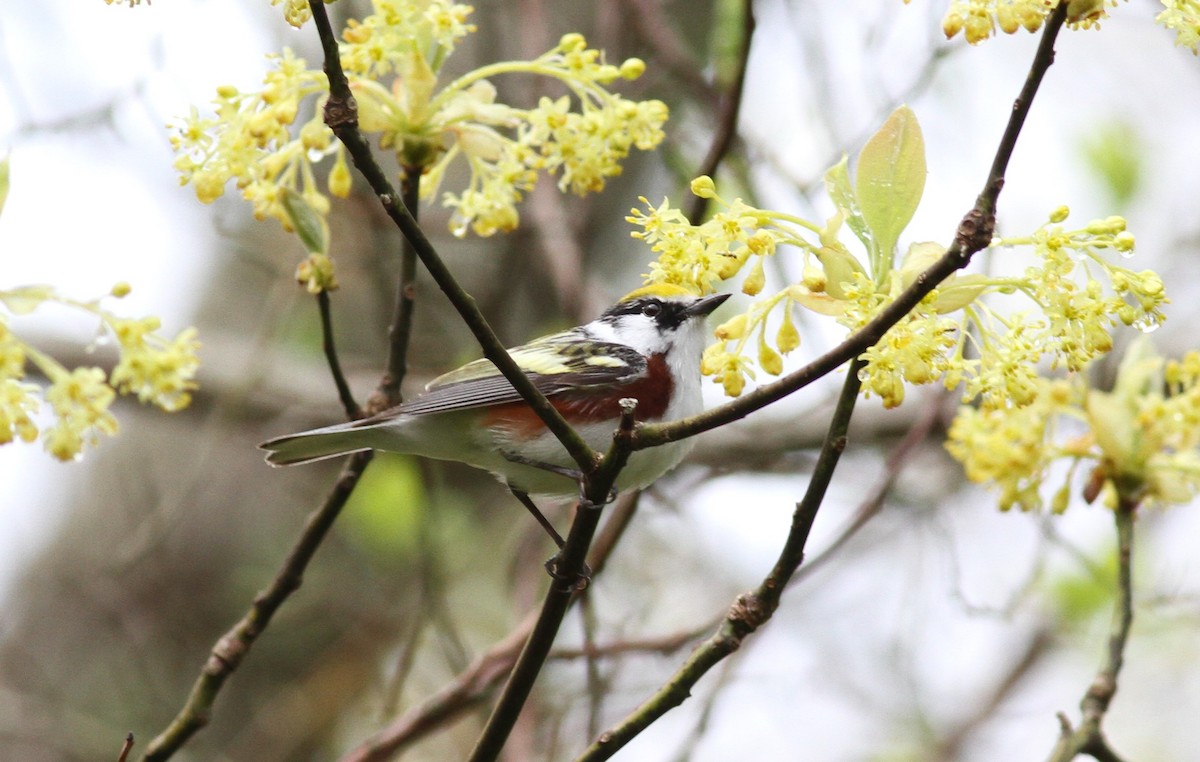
(666, 290)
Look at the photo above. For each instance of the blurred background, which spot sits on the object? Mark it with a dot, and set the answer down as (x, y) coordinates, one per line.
(940, 629)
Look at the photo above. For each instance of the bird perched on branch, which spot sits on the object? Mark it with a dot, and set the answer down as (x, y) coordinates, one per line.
(646, 347)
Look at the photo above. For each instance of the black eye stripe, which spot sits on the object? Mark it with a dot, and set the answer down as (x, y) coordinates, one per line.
(666, 314)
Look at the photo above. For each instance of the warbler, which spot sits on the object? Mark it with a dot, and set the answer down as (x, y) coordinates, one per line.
(647, 347)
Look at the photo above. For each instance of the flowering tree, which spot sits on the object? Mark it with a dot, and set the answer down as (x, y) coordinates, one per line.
(1017, 349)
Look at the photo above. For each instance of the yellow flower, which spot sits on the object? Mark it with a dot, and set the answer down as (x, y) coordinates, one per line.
(80, 400)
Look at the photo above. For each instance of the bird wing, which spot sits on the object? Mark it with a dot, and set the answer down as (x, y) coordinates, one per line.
(557, 363)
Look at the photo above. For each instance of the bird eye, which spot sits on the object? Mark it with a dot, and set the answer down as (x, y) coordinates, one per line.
(652, 309)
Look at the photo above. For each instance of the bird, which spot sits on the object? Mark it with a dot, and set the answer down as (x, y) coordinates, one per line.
(646, 347)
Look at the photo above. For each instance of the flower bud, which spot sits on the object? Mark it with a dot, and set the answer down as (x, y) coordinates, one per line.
(734, 328)
(571, 42)
(755, 280)
(704, 187)
(339, 178)
(121, 289)
(1060, 214)
(769, 360)
(632, 68)
(788, 337)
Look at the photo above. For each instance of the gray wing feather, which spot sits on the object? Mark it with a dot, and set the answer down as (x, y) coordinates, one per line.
(495, 389)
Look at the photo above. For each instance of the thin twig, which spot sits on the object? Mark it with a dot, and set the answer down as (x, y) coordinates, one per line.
(341, 114)
(401, 327)
(126, 747)
(1089, 738)
(727, 117)
(353, 411)
(870, 507)
(973, 235)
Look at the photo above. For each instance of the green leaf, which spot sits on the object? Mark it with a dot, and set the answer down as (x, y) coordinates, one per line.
(310, 226)
(837, 185)
(3, 181)
(890, 177)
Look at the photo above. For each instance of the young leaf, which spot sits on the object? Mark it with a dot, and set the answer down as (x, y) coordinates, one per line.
(837, 185)
(890, 177)
(310, 226)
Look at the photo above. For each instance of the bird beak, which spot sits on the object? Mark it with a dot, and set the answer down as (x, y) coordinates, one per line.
(705, 305)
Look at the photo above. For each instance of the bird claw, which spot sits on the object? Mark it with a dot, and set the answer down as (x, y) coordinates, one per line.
(577, 582)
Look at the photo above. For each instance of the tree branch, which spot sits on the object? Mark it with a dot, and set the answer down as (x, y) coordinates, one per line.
(1089, 738)
(752, 609)
(353, 411)
(400, 331)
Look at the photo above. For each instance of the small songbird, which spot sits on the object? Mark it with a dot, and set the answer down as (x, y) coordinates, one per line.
(647, 347)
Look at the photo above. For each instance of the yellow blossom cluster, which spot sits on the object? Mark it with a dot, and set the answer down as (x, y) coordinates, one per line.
(1073, 297)
(979, 19)
(1139, 442)
(392, 58)
(158, 370)
(1183, 17)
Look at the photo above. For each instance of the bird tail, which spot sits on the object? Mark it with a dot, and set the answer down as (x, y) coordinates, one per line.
(317, 444)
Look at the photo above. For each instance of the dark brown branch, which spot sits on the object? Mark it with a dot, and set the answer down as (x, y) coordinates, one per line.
(727, 116)
(974, 234)
(1089, 738)
(400, 331)
(126, 747)
(353, 411)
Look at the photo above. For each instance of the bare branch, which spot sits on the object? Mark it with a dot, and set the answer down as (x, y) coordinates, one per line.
(1089, 738)
(353, 411)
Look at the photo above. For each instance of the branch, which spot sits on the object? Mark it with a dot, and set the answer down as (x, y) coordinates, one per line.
(751, 609)
(126, 747)
(353, 411)
(400, 331)
(228, 652)
(341, 114)
(1089, 738)
(974, 233)
(727, 118)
